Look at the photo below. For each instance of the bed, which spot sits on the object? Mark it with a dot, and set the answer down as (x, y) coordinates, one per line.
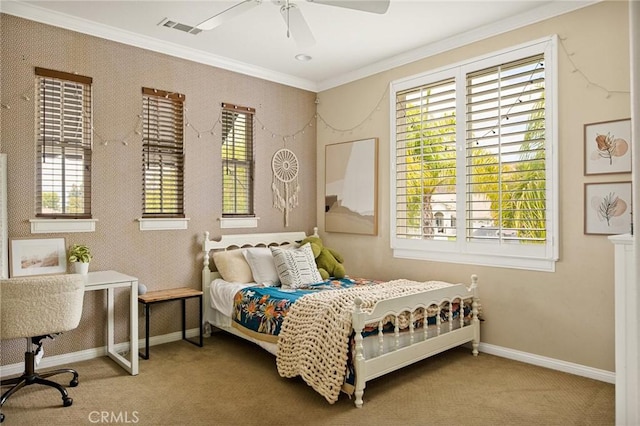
(374, 327)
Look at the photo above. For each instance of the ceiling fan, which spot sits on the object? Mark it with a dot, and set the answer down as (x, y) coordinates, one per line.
(297, 26)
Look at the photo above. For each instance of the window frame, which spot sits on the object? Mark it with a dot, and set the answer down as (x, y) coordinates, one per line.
(57, 139)
(460, 250)
(176, 152)
(249, 162)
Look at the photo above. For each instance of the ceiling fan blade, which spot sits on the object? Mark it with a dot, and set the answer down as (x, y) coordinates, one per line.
(297, 25)
(373, 6)
(227, 14)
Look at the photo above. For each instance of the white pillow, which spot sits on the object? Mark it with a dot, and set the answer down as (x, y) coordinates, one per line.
(232, 266)
(296, 266)
(262, 266)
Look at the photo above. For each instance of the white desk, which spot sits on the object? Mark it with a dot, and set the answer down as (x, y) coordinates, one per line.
(110, 280)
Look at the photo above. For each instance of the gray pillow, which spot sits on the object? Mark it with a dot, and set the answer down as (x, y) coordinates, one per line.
(296, 266)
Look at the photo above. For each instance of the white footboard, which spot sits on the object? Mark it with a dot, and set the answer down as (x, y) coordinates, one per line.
(395, 353)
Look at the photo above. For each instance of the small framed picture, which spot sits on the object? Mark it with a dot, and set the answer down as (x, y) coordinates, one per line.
(37, 256)
(607, 147)
(607, 208)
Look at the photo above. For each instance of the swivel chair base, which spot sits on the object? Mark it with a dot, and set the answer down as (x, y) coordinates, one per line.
(30, 377)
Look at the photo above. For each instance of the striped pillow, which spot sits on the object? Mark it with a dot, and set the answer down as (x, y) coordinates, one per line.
(296, 267)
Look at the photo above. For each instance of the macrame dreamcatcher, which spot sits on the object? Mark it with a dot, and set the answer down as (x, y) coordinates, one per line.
(284, 186)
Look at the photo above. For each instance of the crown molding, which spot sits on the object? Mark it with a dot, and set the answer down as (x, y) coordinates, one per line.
(49, 17)
(547, 11)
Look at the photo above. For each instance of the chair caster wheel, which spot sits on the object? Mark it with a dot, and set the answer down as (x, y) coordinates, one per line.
(73, 383)
(1, 417)
(66, 402)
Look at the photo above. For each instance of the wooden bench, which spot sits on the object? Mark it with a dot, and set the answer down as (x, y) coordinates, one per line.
(159, 296)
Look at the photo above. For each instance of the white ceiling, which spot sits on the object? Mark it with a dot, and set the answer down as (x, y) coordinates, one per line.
(349, 44)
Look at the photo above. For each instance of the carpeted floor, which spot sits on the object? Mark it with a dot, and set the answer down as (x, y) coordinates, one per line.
(232, 382)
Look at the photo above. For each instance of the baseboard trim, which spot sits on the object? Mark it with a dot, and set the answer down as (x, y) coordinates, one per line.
(551, 363)
(64, 359)
(528, 358)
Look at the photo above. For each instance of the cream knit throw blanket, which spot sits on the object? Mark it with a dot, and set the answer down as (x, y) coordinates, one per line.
(314, 339)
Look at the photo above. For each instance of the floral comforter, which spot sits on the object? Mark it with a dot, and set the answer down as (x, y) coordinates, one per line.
(259, 311)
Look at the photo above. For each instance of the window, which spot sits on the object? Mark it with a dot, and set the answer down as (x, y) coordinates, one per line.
(237, 161)
(162, 154)
(64, 145)
(476, 141)
(439, 216)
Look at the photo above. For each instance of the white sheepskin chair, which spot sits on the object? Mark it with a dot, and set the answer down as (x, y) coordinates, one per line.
(35, 308)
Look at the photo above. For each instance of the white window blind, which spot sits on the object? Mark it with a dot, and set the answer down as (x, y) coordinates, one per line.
(506, 172)
(475, 142)
(237, 160)
(162, 154)
(64, 132)
(426, 160)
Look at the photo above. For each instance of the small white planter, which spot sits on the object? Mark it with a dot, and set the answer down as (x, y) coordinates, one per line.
(80, 268)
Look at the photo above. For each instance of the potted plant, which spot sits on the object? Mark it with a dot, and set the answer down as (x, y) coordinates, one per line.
(80, 256)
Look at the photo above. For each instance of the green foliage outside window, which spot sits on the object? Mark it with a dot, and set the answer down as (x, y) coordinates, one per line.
(516, 192)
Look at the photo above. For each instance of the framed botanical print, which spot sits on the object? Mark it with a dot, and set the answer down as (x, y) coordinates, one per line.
(607, 208)
(607, 147)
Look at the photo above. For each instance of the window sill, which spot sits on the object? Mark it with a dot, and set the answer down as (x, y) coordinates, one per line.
(49, 226)
(162, 224)
(492, 260)
(52, 226)
(238, 222)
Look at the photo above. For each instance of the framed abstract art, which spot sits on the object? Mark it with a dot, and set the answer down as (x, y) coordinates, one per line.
(351, 187)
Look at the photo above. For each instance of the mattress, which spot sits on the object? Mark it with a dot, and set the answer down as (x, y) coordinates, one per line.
(222, 294)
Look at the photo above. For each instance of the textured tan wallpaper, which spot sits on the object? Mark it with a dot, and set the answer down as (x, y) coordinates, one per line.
(160, 259)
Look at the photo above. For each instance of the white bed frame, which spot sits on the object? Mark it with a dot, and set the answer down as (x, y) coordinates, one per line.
(395, 351)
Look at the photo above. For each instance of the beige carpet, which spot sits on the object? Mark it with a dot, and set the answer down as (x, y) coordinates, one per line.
(232, 382)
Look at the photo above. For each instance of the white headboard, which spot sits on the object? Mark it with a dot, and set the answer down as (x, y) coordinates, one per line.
(235, 241)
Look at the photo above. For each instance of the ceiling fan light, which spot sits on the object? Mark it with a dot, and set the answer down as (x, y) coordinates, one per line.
(303, 57)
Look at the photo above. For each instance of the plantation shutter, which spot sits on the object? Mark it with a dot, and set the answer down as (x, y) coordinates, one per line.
(163, 154)
(426, 161)
(505, 152)
(64, 144)
(237, 160)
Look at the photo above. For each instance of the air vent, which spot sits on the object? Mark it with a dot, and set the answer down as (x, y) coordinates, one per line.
(166, 22)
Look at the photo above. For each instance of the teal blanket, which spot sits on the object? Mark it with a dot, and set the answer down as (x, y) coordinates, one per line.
(259, 311)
